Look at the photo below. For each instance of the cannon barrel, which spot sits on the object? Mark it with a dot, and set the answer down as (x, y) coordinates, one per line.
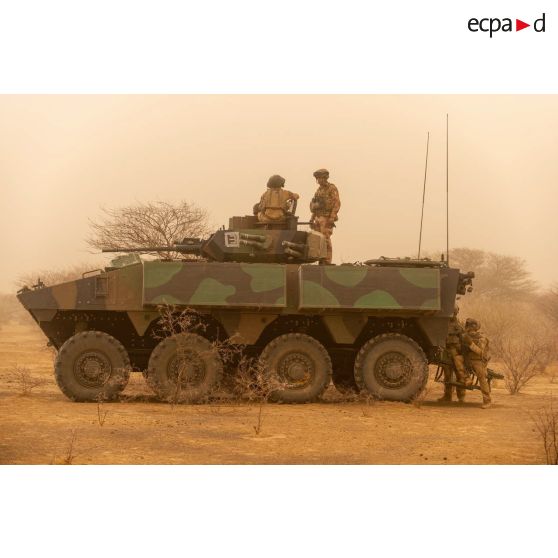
(182, 248)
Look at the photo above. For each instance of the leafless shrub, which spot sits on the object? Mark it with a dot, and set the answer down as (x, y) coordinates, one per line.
(254, 383)
(520, 338)
(101, 413)
(148, 224)
(366, 401)
(250, 381)
(70, 456)
(24, 379)
(545, 420)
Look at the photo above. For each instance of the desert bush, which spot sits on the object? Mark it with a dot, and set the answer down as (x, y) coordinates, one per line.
(254, 383)
(520, 338)
(545, 420)
(25, 380)
(246, 375)
(70, 455)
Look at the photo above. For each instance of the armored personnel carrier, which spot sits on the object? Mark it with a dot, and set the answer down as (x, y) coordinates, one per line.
(372, 326)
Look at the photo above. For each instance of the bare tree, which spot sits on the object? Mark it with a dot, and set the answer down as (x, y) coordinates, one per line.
(148, 224)
(496, 275)
(548, 303)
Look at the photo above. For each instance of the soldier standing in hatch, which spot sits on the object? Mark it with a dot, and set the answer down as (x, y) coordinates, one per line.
(324, 207)
(273, 205)
(457, 362)
(477, 354)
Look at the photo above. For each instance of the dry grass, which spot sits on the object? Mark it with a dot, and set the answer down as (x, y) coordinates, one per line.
(101, 413)
(70, 455)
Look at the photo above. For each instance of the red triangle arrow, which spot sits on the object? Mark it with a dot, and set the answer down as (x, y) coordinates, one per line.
(519, 25)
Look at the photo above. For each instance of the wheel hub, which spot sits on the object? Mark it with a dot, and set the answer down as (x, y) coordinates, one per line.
(393, 370)
(92, 369)
(296, 369)
(186, 369)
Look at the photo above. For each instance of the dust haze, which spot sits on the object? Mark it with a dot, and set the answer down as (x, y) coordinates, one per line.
(64, 157)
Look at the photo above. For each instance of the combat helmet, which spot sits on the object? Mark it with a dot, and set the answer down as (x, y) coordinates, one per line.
(473, 324)
(276, 181)
(321, 173)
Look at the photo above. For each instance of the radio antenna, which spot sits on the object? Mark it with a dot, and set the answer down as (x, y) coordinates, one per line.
(447, 189)
(423, 193)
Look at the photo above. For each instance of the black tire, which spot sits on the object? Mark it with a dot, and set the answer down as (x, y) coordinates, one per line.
(92, 366)
(185, 367)
(300, 363)
(391, 367)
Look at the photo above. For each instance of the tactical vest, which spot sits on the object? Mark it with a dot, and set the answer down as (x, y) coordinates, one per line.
(454, 333)
(273, 203)
(482, 342)
(324, 201)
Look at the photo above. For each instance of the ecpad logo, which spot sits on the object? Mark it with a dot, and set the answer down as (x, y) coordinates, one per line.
(493, 25)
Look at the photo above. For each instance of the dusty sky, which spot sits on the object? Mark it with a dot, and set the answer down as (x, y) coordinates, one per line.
(62, 157)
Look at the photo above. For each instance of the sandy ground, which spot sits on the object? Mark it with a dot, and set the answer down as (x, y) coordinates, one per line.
(45, 427)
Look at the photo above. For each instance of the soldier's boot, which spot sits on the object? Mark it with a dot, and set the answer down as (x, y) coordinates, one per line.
(447, 397)
(460, 394)
(486, 404)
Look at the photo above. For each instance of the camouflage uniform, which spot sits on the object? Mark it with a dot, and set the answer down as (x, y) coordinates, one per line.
(273, 204)
(324, 207)
(457, 362)
(477, 356)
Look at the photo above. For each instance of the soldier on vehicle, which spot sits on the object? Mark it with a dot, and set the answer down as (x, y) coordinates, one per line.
(477, 355)
(457, 361)
(324, 207)
(274, 204)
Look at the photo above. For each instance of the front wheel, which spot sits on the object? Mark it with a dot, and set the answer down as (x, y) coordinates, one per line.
(392, 367)
(92, 366)
(300, 365)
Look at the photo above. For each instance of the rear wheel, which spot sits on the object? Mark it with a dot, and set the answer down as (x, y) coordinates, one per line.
(392, 367)
(300, 365)
(184, 367)
(92, 366)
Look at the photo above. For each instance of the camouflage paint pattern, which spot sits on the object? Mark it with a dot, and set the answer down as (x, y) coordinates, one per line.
(369, 288)
(214, 284)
